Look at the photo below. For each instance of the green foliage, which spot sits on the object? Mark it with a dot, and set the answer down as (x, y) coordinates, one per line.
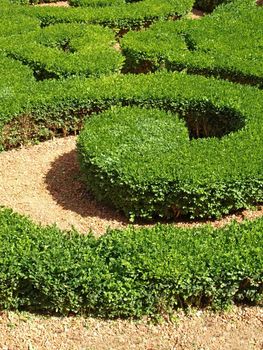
(96, 3)
(131, 272)
(120, 15)
(144, 162)
(179, 144)
(42, 268)
(62, 51)
(14, 24)
(222, 44)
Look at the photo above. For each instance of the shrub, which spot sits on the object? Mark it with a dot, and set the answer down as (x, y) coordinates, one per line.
(62, 51)
(96, 3)
(17, 24)
(144, 162)
(223, 45)
(121, 16)
(131, 272)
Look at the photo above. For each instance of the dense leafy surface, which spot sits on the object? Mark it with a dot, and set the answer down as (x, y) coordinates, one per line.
(62, 51)
(122, 15)
(145, 163)
(193, 146)
(223, 44)
(131, 272)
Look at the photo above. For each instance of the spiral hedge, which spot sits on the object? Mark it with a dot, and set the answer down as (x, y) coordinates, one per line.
(144, 162)
(180, 140)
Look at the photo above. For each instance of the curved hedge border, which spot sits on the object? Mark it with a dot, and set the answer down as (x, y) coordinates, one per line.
(125, 273)
(100, 3)
(128, 273)
(143, 162)
(205, 5)
(223, 44)
(62, 50)
(17, 24)
(125, 16)
(64, 104)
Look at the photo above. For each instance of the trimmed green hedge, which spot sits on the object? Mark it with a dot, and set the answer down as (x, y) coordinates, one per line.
(62, 50)
(147, 164)
(98, 3)
(54, 105)
(122, 16)
(11, 24)
(223, 44)
(131, 272)
(229, 168)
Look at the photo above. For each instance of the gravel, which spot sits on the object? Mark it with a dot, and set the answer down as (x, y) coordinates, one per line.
(240, 329)
(44, 182)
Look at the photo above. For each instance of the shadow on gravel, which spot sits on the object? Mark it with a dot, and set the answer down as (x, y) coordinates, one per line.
(64, 184)
(68, 190)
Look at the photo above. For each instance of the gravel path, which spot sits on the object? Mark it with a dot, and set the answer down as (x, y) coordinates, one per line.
(241, 329)
(43, 181)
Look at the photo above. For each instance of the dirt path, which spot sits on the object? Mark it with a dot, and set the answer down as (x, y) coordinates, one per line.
(239, 330)
(54, 4)
(43, 181)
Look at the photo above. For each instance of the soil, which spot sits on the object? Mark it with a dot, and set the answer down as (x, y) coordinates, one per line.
(196, 14)
(240, 329)
(54, 4)
(44, 182)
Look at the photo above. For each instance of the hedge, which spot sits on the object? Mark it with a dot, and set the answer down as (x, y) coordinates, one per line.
(62, 50)
(147, 164)
(54, 105)
(205, 5)
(151, 271)
(222, 44)
(11, 24)
(128, 273)
(228, 168)
(123, 16)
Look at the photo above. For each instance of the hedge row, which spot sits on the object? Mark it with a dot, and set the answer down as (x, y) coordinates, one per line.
(62, 104)
(205, 5)
(62, 50)
(217, 174)
(150, 164)
(16, 84)
(126, 15)
(222, 44)
(13, 23)
(128, 273)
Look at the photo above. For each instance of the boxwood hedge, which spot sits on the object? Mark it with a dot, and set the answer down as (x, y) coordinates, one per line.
(62, 50)
(227, 168)
(124, 15)
(146, 271)
(222, 44)
(144, 162)
(128, 273)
